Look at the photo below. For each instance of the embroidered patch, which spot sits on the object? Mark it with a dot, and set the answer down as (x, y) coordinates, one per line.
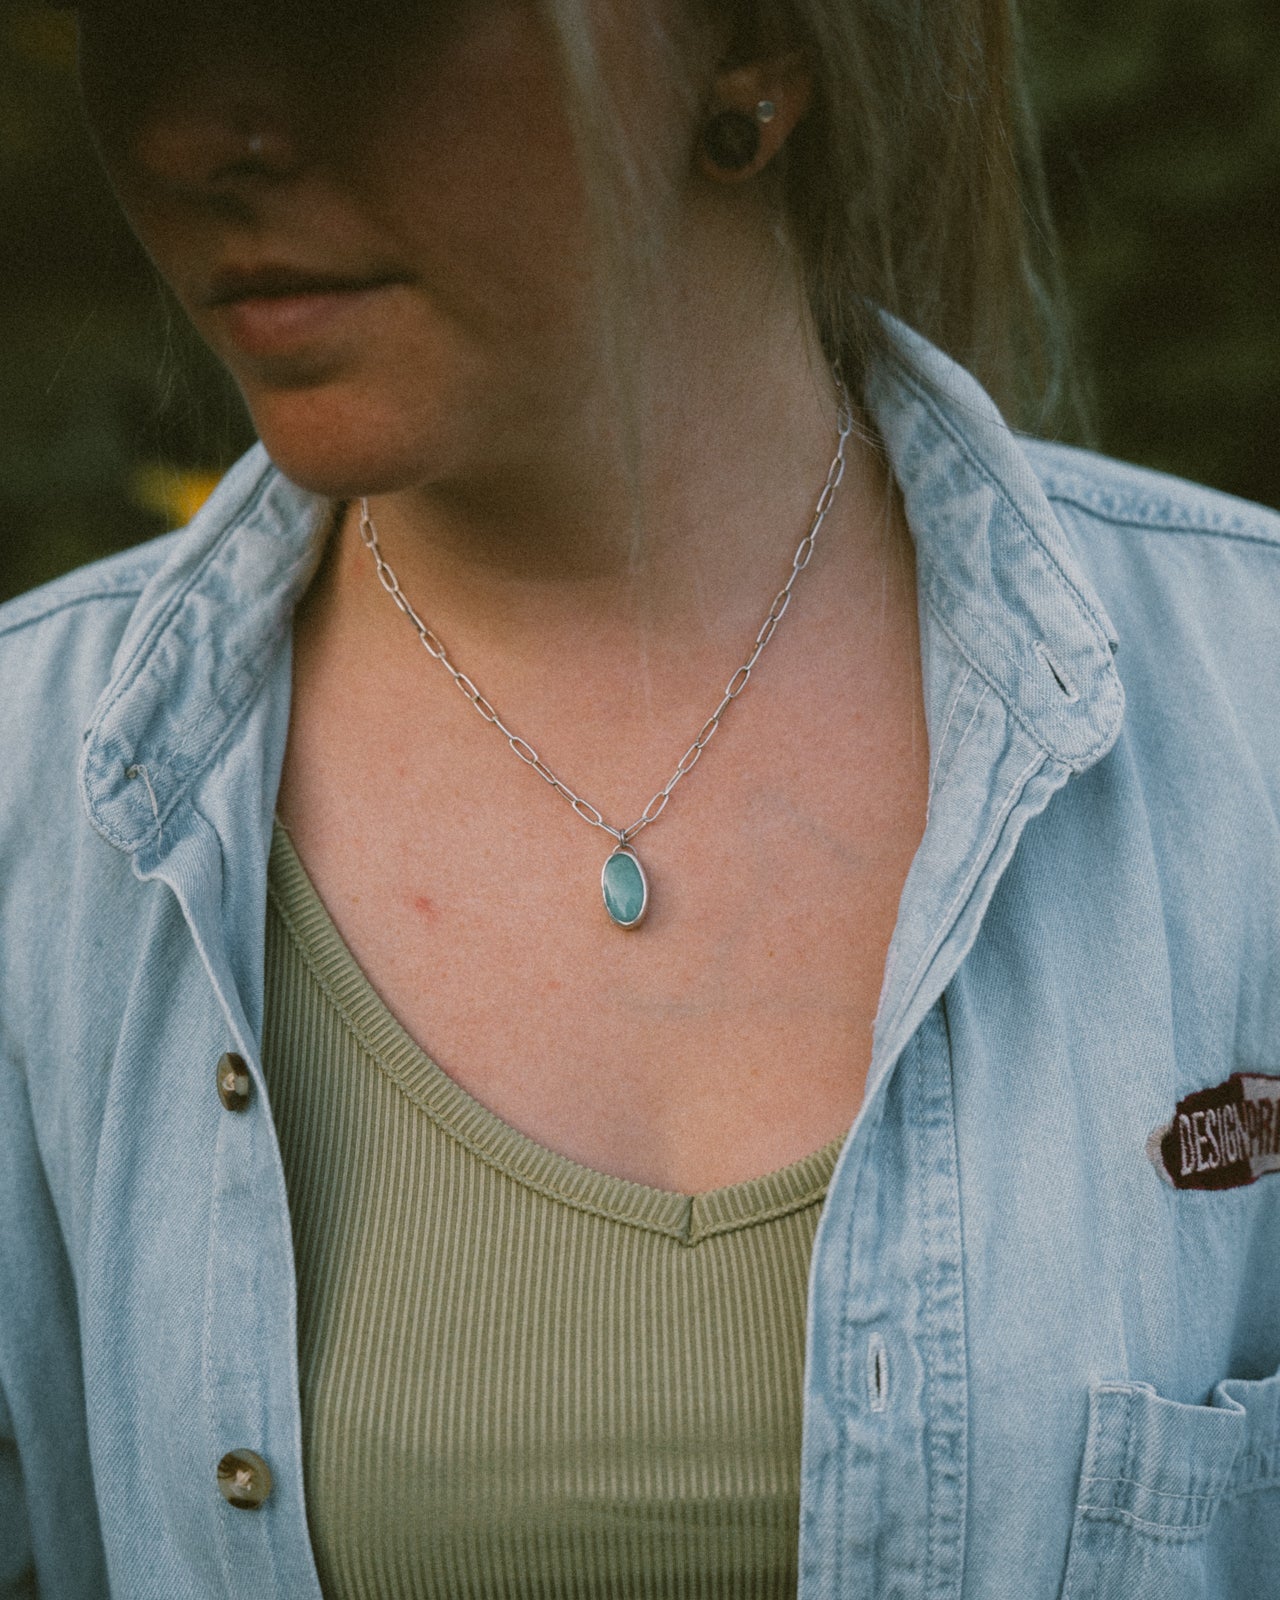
(1221, 1138)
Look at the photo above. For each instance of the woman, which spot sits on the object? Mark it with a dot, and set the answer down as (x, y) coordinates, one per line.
(875, 1193)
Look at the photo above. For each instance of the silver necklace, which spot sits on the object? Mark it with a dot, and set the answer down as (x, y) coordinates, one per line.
(623, 881)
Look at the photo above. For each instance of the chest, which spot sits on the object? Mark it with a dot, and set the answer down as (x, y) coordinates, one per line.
(726, 1036)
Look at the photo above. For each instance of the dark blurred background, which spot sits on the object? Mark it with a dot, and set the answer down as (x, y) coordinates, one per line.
(1162, 133)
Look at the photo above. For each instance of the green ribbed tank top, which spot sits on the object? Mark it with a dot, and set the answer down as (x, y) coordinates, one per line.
(519, 1377)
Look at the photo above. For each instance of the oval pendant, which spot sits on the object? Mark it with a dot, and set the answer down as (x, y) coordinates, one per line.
(626, 889)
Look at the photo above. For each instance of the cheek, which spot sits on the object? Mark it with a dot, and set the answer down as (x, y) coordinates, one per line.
(475, 167)
(483, 171)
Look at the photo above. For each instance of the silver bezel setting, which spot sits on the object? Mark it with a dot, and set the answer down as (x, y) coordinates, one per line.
(626, 850)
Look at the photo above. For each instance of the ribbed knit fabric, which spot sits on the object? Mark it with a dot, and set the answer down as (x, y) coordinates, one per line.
(520, 1377)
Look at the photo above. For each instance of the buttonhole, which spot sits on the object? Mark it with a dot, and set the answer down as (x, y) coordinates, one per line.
(141, 772)
(1060, 677)
(877, 1373)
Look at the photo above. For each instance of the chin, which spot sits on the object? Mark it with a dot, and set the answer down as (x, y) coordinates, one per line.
(341, 479)
(339, 453)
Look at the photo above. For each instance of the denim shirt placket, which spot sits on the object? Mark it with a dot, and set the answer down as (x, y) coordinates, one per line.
(885, 1442)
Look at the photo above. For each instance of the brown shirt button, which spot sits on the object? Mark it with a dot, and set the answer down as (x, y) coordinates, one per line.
(234, 1086)
(244, 1479)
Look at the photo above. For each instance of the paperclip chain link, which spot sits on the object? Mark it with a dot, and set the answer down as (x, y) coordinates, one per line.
(432, 644)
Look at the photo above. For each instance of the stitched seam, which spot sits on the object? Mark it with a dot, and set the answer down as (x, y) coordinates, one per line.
(968, 729)
(935, 778)
(1163, 1494)
(1114, 520)
(1174, 1532)
(944, 1539)
(53, 610)
(1115, 517)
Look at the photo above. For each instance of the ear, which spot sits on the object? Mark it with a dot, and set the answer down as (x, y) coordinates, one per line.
(751, 113)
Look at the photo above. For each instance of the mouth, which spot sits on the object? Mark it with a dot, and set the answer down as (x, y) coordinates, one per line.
(269, 282)
(274, 311)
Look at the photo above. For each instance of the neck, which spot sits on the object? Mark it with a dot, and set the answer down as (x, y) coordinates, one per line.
(663, 508)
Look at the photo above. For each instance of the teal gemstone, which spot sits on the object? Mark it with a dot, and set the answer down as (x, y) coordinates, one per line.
(626, 891)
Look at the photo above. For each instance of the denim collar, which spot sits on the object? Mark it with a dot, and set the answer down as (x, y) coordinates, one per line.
(993, 564)
(205, 634)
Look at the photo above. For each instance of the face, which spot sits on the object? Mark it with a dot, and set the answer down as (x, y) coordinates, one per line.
(371, 209)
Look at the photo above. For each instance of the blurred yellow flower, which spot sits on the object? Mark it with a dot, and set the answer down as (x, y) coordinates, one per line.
(171, 493)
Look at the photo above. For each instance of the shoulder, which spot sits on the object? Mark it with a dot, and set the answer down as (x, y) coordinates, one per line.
(1098, 496)
(95, 602)
(67, 647)
(57, 645)
(1189, 577)
(1190, 581)
(61, 644)
(92, 592)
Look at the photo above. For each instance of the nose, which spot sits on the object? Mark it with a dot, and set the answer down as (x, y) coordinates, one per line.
(215, 140)
(194, 104)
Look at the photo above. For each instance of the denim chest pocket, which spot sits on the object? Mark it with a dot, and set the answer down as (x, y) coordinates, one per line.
(1178, 1499)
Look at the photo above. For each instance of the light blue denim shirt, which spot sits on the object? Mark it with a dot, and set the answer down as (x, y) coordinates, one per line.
(1044, 1318)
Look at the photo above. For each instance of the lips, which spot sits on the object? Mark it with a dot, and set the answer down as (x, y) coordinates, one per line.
(272, 310)
(271, 282)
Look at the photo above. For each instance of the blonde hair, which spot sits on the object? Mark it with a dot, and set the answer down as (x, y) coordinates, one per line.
(913, 184)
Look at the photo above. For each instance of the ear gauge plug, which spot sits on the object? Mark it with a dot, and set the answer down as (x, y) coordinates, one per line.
(731, 140)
